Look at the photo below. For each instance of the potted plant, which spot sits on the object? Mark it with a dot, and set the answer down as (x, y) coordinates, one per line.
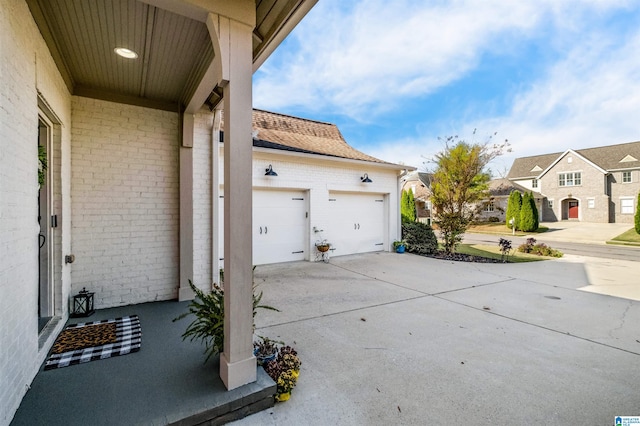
(284, 370)
(399, 246)
(208, 310)
(265, 350)
(323, 246)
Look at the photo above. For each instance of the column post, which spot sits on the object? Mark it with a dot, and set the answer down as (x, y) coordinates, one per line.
(237, 363)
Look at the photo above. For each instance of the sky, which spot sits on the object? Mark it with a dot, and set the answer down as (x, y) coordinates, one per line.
(397, 77)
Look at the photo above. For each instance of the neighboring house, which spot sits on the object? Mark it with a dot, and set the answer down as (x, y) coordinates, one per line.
(592, 185)
(495, 208)
(126, 210)
(420, 184)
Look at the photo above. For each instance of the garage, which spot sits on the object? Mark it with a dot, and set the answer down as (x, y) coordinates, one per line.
(279, 226)
(357, 222)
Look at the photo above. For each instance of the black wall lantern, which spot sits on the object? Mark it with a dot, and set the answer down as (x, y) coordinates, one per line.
(83, 304)
(270, 171)
(366, 179)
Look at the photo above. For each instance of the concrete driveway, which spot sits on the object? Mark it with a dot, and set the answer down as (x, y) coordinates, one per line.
(583, 232)
(402, 339)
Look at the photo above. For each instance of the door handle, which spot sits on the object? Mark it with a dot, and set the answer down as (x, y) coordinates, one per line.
(358, 226)
(261, 230)
(265, 230)
(355, 226)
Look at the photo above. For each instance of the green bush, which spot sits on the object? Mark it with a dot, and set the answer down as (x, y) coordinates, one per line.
(419, 237)
(494, 219)
(637, 218)
(408, 207)
(513, 209)
(528, 213)
(541, 249)
(208, 310)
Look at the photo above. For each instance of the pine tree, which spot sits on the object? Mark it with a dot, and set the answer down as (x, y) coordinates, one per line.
(527, 217)
(407, 206)
(536, 213)
(411, 207)
(513, 209)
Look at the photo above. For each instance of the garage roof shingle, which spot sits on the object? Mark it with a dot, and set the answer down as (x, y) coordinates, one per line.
(284, 132)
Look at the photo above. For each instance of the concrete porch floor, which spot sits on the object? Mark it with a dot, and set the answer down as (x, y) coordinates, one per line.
(166, 382)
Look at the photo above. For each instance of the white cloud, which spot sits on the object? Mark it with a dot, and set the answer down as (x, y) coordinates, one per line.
(381, 51)
(366, 58)
(592, 98)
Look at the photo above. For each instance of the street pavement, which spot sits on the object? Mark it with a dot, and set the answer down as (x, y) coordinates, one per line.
(611, 270)
(403, 339)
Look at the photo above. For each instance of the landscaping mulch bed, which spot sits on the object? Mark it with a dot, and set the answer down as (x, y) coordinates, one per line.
(459, 257)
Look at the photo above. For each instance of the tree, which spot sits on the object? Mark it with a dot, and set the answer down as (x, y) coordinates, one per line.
(513, 209)
(408, 207)
(459, 181)
(637, 218)
(528, 213)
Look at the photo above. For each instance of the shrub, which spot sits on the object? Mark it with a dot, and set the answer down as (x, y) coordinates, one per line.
(528, 214)
(494, 219)
(419, 237)
(541, 249)
(513, 209)
(505, 248)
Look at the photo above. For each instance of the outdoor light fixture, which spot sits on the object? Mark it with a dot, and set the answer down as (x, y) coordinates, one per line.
(270, 172)
(366, 179)
(125, 53)
(83, 304)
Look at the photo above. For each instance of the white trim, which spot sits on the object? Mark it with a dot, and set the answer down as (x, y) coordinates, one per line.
(632, 204)
(572, 152)
(330, 158)
(574, 178)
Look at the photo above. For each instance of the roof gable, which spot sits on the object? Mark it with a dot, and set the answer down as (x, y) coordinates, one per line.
(572, 152)
(628, 158)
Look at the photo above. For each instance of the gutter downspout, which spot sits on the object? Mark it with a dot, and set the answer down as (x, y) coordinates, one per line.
(402, 174)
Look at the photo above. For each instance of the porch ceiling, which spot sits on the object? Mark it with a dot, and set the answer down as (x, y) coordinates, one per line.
(173, 46)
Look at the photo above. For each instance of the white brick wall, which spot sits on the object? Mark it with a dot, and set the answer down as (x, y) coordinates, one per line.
(26, 68)
(125, 201)
(322, 175)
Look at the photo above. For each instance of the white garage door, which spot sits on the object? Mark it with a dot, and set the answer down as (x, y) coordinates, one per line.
(357, 223)
(279, 226)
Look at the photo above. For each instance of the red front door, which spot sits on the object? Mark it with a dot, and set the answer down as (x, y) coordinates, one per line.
(573, 209)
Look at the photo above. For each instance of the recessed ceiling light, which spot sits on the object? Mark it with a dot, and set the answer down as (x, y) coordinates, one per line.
(125, 53)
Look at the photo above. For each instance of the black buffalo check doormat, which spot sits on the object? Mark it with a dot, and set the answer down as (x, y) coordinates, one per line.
(90, 341)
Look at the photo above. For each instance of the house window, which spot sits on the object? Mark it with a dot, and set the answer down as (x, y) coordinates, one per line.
(534, 183)
(550, 204)
(570, 179)
(489, 207)
(591, 203)
(626, 205)
(626, 177)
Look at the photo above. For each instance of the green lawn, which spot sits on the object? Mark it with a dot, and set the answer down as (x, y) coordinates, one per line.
(629, 237)
(494, 253)
(501, 229)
